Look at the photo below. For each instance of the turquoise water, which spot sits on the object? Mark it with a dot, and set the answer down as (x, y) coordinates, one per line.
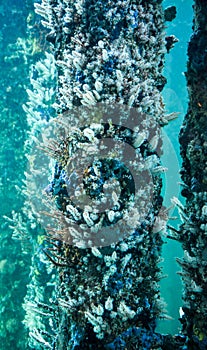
(16, 56)
(176, 99)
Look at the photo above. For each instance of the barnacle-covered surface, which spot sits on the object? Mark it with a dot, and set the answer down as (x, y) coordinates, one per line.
(113, 53)
(193, 231)
(107, 51)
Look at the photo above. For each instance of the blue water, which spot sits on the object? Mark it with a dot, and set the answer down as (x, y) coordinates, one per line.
(176, 99)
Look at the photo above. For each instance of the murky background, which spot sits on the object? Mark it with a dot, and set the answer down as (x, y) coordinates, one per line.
(19, 49)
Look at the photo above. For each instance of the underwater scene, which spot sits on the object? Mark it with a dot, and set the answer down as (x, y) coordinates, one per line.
(103, 180)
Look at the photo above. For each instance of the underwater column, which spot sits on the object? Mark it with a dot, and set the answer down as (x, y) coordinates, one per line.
(107, 55)
(193, 231)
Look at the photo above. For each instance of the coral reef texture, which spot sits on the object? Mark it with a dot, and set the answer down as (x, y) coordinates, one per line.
(112, 53)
